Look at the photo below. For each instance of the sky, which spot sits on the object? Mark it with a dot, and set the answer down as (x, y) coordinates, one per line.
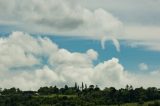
(105, 43)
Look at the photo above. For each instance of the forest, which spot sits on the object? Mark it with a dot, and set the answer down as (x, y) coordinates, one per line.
(82, 95)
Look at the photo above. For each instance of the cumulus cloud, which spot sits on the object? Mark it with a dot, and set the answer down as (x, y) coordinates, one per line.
(143, 66)
(64, 17)
(24, 65)
(22, 62)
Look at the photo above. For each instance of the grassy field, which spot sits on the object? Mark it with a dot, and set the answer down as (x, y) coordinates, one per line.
(136, 104)
(75, 96)
(127, 104)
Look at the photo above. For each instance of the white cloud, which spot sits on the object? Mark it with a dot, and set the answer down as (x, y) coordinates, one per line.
(65, 58)
(156, 72)
(71, 18)
(145, 12)
(142, 33)
(19, 50)
(116, 43)
(64, 17)
(152, 45)
(143, 66)
(111, 73)
(147, 80)
(92, 54)
(143, 36)
(141, 28)
(63, 67)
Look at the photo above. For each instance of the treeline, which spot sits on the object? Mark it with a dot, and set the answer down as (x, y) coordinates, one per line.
(78, 96)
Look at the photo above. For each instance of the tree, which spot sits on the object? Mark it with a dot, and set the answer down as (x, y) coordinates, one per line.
(75, 86)
(44, 91)
(55, 90)
(0, 89)
(91, 87)
(96, 88)
(82, 86)
(127, 87)
(66, 87)
(10, 91)
(69, 96)
(85, 86)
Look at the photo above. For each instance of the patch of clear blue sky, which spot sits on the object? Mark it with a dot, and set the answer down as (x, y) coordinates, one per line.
(129, 57)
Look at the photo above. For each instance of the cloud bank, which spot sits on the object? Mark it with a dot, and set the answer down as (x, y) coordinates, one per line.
(63, 17)
(29, 62)
(70, 18)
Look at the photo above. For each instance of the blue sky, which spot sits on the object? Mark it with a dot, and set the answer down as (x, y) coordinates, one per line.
(43, 41)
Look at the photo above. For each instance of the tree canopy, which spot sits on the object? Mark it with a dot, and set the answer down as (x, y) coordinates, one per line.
(78, 96)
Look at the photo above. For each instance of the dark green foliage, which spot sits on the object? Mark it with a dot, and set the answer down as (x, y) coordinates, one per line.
(79, 96)
(48, 90)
